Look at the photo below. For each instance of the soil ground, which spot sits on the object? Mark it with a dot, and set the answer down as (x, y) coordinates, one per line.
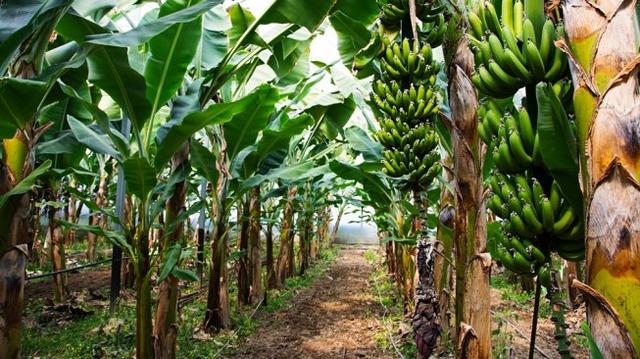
(340, 313)
(336, 317)
(90, 280)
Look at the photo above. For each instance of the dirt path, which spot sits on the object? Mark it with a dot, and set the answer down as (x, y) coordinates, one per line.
(334, 318)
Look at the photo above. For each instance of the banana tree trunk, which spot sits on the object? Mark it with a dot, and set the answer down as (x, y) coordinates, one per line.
(15, 215)
(442, 268)
(314, 239)
(218, 314)
(70, 214)
(473, 262)
(255, 259)
(336, 226)
(36, 247)
(286, 263)
(390, 256)
(243, 261)
(603, 43)
(272, 278)
(58, 261)
(144, 326)
(166, 325)
(407, 271)
(13, 261)
(97, 218)
(305, 245)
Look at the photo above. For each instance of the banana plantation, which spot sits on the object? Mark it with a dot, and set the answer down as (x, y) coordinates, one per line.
(319, 179)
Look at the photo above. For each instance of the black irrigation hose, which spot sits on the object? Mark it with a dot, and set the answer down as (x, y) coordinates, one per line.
(51, 274)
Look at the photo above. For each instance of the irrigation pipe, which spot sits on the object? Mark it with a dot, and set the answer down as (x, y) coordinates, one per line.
(51, 274)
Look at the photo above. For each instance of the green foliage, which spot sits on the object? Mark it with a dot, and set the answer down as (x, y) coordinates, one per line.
(558, 145)
(28, 94)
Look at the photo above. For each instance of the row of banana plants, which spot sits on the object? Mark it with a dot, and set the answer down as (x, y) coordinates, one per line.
(526, 118)
(197, 108)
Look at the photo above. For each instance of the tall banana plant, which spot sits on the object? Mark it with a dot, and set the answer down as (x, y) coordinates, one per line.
(602, 42)
(141, 98)
(25, 90)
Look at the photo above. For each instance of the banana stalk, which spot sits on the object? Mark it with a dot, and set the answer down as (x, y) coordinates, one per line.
(603, 42)
(218, 314)
(165, 329)
(470, 235)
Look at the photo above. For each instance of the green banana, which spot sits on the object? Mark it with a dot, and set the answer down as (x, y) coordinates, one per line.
(547, 215)
(494, 185)
(507, 259)
(528, 31)
(554, 197)
(557, 67)
(574, 233)
(523, 184)
(518, 151)
(518, 226)
(565, 220)
(503, 77)
(497, 206)
(535, 252)
(507, 13)
(495, 88)
(526, 129)
(491, 17)
(546, 40)
(516, 64)
(511, 42)
(518, 19)
(520, 248)
(495, 45)
(523, 263)
(534, 59)
(493, 117)
(538, 194)
(512, 165)
(482, 132)
(531, 219)
(515, 204)
(535, 13)
(544, 276)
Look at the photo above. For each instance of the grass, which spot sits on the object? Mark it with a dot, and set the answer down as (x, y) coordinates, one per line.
(523, 300)
(102, 334)
(394, 320)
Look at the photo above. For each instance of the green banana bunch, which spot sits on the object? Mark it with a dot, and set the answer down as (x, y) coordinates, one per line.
(413, 105)
(532, 213)
(393, 11)
(409, 61)
(409, 151)
(430, 14)
(433, 27)
(522, 257)
(516, 49)
(512, 137)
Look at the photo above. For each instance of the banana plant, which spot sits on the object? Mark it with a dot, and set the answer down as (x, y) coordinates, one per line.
(601, 42)
(28, 80)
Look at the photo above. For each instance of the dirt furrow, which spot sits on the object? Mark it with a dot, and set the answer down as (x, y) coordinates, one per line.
(336, 317)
